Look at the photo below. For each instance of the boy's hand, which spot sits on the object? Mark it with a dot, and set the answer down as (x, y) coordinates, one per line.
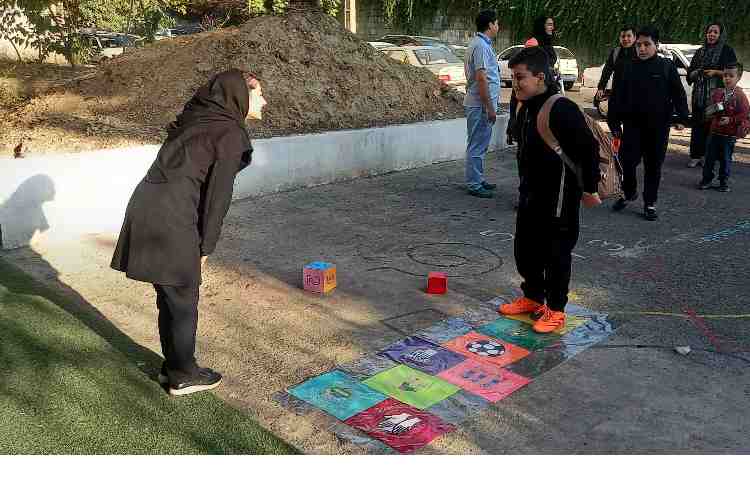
(724, 121)
(591, 199)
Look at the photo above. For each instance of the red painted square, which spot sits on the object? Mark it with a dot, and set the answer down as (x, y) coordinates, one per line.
(486, 380)
(400, 426)
(486, 349)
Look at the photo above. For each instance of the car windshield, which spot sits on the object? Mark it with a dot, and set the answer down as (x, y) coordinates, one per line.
(564, 53)
(433, 56)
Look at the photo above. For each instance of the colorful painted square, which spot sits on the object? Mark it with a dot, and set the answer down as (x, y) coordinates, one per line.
(488, 381)
(337, 394)
(411, 386)
(519, 333)
(539, 362)
(400, 426)
(486, 350)
(422, 355)
(586, 335)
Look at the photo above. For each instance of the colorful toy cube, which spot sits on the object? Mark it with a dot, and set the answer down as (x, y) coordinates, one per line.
(437, 283)
(319, 277)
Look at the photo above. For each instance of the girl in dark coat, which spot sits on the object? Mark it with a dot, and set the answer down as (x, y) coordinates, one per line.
(705, 75)
(175, 215)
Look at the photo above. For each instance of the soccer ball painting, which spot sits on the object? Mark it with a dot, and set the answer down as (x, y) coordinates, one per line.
(485, 348)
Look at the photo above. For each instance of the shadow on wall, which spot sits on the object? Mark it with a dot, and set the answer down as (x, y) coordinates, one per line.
(22, 215)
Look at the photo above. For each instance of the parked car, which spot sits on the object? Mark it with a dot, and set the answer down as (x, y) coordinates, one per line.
(443, 63)
(109, 45)
(680, 53)
(380, 45)
(568, 65)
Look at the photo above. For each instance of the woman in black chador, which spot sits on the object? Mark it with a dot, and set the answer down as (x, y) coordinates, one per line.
(174, 217)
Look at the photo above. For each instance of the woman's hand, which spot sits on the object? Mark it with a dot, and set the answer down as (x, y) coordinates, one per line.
(713, 73)
(203, 261)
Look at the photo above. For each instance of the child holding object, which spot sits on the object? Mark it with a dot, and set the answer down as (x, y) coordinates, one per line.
(728, 115)
(174, 218)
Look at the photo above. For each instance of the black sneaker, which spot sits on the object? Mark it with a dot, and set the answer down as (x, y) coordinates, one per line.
(620, 204)
(724, 188)
(162, 378)
(480, 192)
(488, 186)
(704, 185)
(204, 379)
(650, 213)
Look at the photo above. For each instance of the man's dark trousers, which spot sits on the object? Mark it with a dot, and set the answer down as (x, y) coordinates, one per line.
(543, 250)
(648, 142)
(178, 322)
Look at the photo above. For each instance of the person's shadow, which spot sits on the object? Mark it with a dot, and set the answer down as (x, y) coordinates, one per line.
(22, 218)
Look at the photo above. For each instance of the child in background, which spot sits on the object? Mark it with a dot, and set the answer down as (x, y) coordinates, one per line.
(726, 126)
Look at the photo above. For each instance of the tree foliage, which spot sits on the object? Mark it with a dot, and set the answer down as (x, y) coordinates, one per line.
(593, 24)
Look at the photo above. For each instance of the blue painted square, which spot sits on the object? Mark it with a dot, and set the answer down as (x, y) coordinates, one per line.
(422, 355)
(588, 334)
(337, 394)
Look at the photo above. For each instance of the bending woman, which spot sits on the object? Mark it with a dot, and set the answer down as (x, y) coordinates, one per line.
(175, 215)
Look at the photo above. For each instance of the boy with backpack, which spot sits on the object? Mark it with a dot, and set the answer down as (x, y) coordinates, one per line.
(728, 115)
(556, 174)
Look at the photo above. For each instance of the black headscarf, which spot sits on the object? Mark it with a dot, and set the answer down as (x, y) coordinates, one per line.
(225, 99)
(545, 39)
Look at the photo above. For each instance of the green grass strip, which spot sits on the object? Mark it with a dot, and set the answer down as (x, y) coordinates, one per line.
(69, 384)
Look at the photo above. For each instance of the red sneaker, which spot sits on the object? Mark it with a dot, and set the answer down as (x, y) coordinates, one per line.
(549, 322)
(519, 306)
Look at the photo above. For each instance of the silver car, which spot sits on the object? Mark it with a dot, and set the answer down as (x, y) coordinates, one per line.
(447, 67)
(567, 65)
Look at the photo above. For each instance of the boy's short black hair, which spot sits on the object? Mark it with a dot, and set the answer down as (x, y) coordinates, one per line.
(535, 59)
(740, 68)
(649, 31)
(631, 28)
(484, 19)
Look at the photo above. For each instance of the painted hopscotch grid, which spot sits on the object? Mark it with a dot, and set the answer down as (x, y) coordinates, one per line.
(424, 385)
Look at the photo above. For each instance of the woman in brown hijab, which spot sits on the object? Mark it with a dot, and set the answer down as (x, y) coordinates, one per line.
(175, 215)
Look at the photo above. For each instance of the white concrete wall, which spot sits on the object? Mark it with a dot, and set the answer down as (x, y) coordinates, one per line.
(72, 194)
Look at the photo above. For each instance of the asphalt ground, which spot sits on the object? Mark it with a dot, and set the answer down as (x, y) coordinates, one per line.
(680, 281)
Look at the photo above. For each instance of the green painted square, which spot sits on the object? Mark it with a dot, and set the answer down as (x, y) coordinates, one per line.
(411, 386)
(519, 333)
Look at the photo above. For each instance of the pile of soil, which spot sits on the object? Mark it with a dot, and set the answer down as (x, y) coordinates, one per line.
(316, 76)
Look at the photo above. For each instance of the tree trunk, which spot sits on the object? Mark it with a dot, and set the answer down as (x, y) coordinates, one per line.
(13, 44)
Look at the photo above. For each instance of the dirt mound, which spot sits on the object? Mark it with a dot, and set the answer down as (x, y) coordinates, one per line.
(316, 76)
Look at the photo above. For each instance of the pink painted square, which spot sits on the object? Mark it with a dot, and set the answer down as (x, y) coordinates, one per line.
(486, 349)
(400, 426)
(488, 381)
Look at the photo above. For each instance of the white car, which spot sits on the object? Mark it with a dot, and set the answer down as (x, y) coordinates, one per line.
(380, 45)
(568, 65)
(442, 62)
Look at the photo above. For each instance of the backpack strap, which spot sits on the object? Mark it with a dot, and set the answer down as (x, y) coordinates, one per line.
(615, 55)
(542, 126)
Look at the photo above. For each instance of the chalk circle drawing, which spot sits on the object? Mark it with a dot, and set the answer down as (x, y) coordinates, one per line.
(503, 236)
(609, 246)
(457, 259)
